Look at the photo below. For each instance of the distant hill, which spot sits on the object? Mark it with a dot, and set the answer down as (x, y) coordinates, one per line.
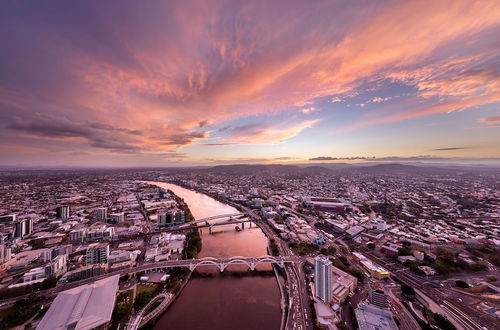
(400, 169)
(275, 169)
(341, 169)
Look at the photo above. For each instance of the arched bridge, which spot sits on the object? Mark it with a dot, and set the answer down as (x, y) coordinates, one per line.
(250, 262)
(220, 263)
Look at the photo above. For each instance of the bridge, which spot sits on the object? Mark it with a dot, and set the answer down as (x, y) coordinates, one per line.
(221, 263)
(141, 319)
(206, 221)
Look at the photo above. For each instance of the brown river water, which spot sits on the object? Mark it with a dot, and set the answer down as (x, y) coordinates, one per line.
(235, 299)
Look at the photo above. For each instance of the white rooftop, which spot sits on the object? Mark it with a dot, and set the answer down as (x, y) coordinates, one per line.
(84, 307)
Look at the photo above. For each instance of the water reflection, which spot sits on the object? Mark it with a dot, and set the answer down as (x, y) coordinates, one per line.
(224, 301)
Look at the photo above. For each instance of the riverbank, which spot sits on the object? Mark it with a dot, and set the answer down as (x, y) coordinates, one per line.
(236, 298)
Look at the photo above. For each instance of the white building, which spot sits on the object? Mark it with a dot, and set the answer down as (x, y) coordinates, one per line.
(78, 235)
(323, 278)
(34, 274)
(57, 267)
(53, 252)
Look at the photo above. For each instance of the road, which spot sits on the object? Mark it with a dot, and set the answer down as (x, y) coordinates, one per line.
(299, 313)
(462, 317)
(190, 263)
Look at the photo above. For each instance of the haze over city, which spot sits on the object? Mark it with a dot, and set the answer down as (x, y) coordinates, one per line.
(175, 83)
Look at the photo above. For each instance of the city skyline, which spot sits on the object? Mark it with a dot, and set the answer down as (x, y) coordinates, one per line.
(198, 83)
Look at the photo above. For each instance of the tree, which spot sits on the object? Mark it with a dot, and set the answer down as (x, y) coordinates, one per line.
(357, 273)
(443, 323)
(48, 283)
(407, 290)
(461, 284)
(403, 251)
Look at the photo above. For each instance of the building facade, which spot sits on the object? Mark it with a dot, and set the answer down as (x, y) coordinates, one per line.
(170, 218)
(62, 212)
(323, 278)
(97, 254)
(101, 213)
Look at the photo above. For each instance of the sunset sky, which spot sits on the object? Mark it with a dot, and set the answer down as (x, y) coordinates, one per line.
(170, 83)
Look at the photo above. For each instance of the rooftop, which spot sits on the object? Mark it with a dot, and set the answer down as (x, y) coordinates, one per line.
(84, 307)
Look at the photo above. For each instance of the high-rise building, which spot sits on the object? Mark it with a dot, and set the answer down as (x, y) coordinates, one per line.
(23, 227)
(323, 278)
(101, 213)
(4, 251)
(97, 253)
(18, 229)
(62, 212)
(170, 218)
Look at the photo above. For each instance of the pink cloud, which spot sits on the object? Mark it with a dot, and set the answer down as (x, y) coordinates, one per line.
(490, 121)
(263, 133)
(194, 62)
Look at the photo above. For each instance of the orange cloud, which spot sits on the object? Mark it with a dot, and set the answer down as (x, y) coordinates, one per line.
(261, 133)
(490, 121)
(194, 62)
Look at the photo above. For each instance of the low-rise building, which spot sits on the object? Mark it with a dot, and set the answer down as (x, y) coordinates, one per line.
(370, 317)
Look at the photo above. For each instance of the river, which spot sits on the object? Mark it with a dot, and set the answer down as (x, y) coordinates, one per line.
(228, 300)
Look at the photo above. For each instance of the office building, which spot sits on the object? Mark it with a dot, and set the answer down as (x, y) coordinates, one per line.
(117, 217)
(323, 278)
(101, 213)
(377, 295)
(62, 212)
(52, 253)
(170, 218)
(97, 253)
(23, 227)
(371, 317)
(84, 272)
(77, 236)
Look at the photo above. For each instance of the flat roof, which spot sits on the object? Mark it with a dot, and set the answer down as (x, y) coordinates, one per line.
(371, 317)
(84, 307)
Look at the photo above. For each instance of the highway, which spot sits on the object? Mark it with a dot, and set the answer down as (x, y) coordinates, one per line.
(461, 316)
(221, 263)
